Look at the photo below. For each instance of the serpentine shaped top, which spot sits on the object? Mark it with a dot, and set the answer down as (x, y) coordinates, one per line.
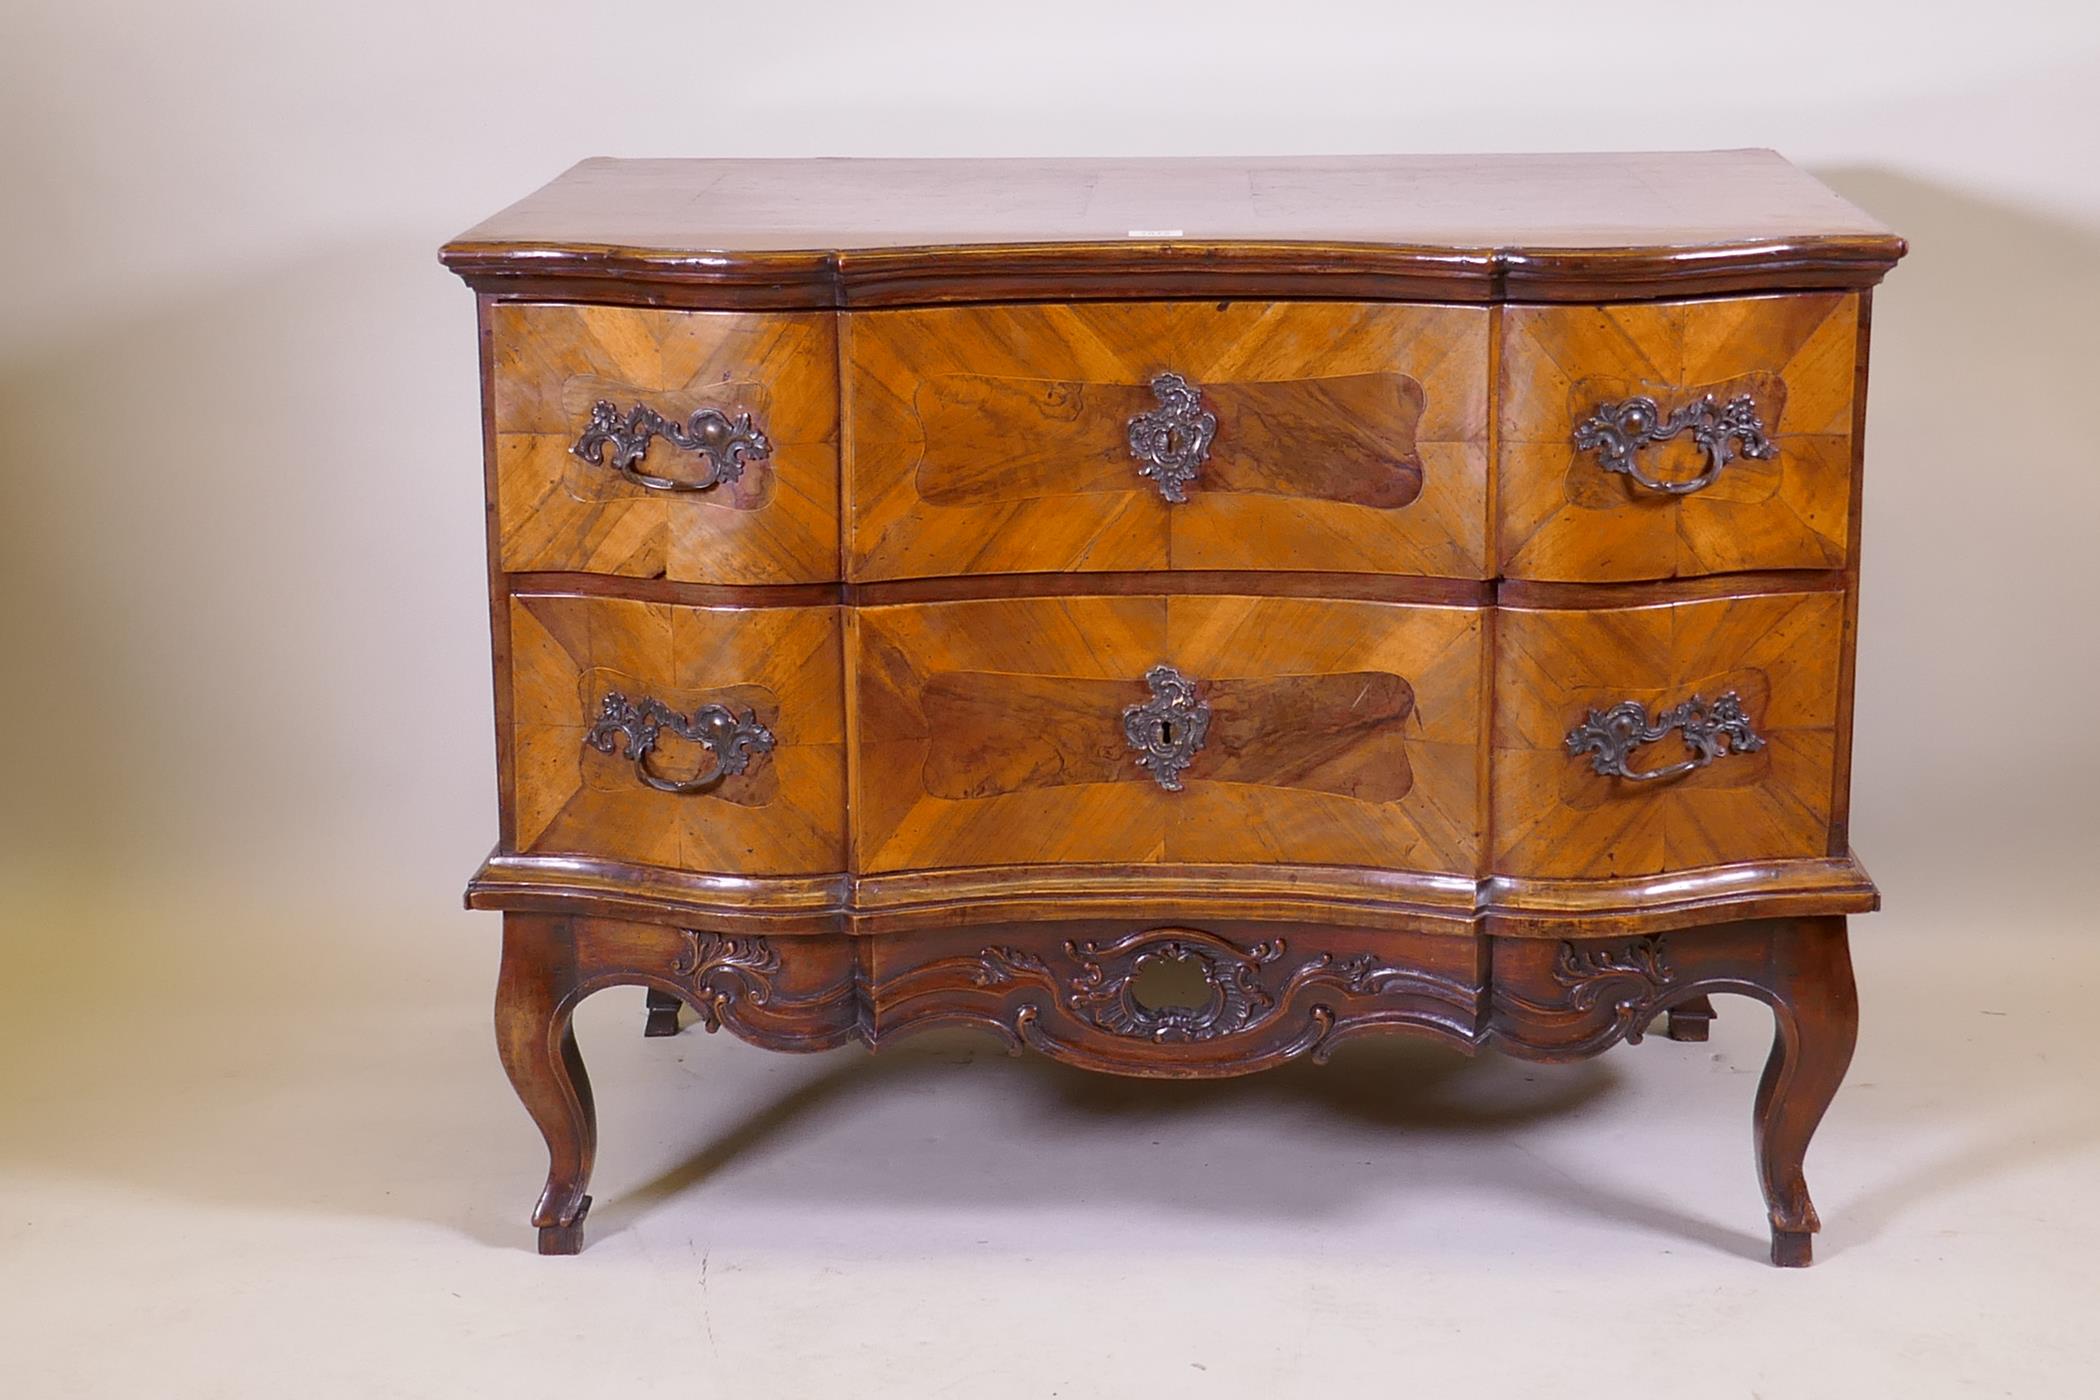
(848, 233)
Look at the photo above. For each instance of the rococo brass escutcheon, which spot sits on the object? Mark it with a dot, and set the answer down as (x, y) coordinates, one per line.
(1167, 730)
(1171, 442)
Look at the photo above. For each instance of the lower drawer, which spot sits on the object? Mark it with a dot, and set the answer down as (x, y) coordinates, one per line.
(1664, 737)
(1127, 732)
(1151, 729)
(708, 739)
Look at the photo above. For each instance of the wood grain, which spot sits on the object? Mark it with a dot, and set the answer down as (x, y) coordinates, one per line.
(777, 524)
(994, 439)
(1525, 907)
(836, 233)
(1563, 517)
(1557, 818)
(1395, 900)
(786, 815)
(990, 733)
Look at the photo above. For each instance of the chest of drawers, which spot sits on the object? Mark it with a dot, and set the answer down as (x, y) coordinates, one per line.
(1177, 616)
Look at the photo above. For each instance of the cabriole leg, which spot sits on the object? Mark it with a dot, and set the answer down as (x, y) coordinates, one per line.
(535, 994)
(1815, 1012)
(1563, 999)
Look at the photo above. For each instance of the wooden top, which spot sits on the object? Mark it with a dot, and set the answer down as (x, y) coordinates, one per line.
(889, 232)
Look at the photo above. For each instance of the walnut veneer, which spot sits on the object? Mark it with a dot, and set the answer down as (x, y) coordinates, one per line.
(1177, 615)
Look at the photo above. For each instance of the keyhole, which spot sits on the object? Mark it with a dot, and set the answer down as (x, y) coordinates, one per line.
(1166, 733)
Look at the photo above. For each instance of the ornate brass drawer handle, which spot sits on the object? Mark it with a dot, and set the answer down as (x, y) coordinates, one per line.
(733, 742)
(1617, 432)
(1167, 730)
(1171, 442)
(1610, 736)
(725, 443)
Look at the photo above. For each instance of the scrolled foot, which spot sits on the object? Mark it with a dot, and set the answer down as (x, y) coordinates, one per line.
(565, 1239)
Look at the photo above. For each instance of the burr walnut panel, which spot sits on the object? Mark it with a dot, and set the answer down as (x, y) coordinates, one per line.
(1555, 816)
(1563, 516)
(991, 732)
(995, 439)
(777, 522)
(785, 814)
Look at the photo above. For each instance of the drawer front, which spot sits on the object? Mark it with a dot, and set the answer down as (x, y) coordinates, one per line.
(700, 446)
(1594, 484)
(609, 717)
(1309, 731)
(1000, 439)
(1753, 679)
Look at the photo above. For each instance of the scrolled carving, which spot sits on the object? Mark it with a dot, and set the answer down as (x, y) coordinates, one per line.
(723, 973)
(1630, 976)
(1103, 991)
(1610, 736)
(998, 966)
(1171, 442)
(1590, 995)
(1247, 990)
(1617, 431)
(1167, 730)
(734, 742)
(724, 443)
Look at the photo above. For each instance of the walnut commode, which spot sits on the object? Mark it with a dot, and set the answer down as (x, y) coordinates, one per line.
(1177, 615)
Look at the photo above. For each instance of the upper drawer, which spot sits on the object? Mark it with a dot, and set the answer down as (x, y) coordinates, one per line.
(693, 445)
(1314, 435)
(1676, 438)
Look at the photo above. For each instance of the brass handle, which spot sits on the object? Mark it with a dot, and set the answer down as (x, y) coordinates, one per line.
(1167, 730)
(1617, 432)
(725, 443)
(1610, 736)
(1171, 442)
(733, 742)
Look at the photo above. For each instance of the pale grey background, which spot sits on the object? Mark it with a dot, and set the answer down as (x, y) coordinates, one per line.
(248, 1111)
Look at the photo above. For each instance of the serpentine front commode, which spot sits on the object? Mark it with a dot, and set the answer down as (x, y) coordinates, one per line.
(1418, 597)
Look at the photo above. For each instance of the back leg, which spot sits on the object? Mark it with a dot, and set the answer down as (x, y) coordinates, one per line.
(663, 1014)
(1688, 1020)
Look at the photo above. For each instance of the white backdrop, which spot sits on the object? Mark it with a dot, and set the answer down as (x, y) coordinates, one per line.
(247, 1099)
(241, 564)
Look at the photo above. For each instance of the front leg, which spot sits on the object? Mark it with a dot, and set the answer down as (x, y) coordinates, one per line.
(536, 992)
(1563, 999)
(1815, 1011)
